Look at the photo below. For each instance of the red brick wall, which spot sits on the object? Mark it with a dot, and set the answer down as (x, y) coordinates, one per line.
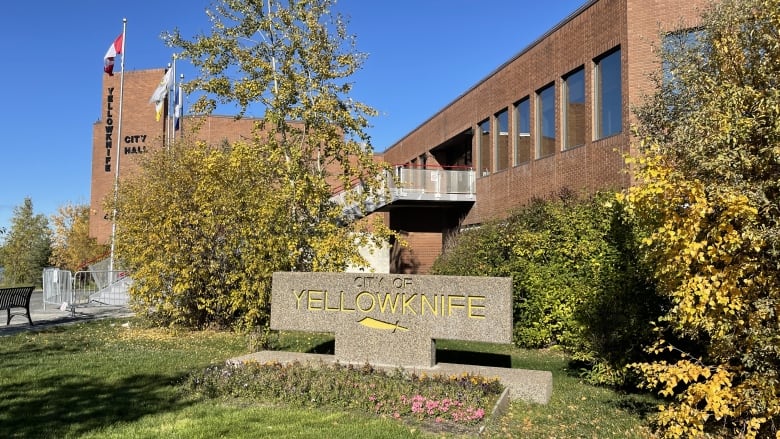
(138, 120)
(141, 133)
(598, 27)
(417, 257)
(650, 18)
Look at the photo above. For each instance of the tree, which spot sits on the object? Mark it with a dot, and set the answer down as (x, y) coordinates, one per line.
(26, 248)
(291, 60)
(71, 246)
(708, 201)
(203, 227)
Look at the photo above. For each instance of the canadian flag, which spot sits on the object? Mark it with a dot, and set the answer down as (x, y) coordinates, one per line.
(113, 50)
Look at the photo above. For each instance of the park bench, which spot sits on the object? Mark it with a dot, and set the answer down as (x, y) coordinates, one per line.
(16, 297)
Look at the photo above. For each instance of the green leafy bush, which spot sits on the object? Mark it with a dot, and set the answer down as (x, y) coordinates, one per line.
(577, 282)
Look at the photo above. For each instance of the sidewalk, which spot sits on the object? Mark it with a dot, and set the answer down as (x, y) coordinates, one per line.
(50, 315)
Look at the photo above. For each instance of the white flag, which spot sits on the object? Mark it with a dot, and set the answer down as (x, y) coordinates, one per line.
(162, 88)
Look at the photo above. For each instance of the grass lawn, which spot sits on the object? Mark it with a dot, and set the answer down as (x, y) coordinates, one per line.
(115, 379)
(576, 409)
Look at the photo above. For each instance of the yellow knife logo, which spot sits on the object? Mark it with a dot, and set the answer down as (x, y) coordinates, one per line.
(378, 324)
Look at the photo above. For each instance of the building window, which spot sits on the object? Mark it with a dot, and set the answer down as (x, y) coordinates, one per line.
(502, 140)
(483, 147)
(545, 121)
(574, 109)
(609, 95)
(522, 131)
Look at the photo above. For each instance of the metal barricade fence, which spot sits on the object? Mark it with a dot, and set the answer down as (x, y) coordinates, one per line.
(57, 287)
(93, 287)
(102, 287)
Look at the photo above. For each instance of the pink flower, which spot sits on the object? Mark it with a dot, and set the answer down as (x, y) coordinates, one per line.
(417, 403)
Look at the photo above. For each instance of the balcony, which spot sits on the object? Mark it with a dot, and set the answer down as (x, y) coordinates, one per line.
(437, 184)
(410, 186)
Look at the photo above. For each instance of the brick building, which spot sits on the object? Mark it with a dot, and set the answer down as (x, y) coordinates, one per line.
(140, 134)
(555, 116)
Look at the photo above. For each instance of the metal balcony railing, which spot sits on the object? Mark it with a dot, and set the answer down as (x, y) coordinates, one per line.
(411, 184)
(433, 184)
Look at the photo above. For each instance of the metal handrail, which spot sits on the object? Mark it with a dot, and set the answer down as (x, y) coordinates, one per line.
(435, 181)
(409, 184)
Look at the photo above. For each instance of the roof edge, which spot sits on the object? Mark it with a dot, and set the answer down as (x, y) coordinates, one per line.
(522, 52)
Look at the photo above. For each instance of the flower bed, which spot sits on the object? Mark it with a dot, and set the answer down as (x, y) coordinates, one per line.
(454, 400)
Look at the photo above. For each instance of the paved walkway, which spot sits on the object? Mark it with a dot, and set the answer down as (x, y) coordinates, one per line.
(49, 315)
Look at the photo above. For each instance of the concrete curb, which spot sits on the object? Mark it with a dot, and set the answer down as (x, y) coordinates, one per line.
(528, 385)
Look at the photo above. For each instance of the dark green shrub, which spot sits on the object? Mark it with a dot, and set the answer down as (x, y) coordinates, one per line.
(576, 277)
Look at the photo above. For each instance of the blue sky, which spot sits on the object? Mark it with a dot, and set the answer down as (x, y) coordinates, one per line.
(422, 55)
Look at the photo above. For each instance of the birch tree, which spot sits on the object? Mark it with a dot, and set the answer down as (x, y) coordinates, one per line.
(203, 227)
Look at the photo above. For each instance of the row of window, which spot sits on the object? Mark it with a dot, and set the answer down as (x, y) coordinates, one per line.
(494, 145)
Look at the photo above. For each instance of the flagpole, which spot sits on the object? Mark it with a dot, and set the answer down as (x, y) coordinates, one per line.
(172, 106)
(168, 121)
(181, 103)
(118, 152)
(273, 50)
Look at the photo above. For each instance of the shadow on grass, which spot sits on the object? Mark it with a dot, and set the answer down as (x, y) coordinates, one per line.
(473, 358)
(640, 404)
(326, 348)
(71, 405)
(12, 359)
(627, 397)
(442, 356)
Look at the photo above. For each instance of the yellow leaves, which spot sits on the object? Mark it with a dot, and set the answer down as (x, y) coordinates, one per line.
(719, 267)
(702, 393)
(700, 242)
(705, 393)
(705, 248)
(71, 244)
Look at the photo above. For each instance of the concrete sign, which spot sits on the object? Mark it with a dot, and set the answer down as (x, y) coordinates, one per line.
(393, 319)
